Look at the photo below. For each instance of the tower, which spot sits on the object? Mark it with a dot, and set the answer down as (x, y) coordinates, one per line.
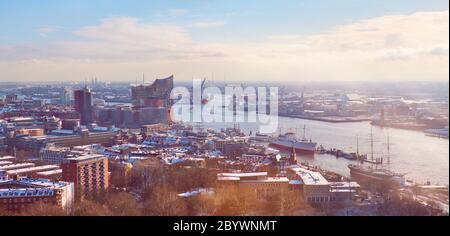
(83, 105)
(293, 156)
(66, 96)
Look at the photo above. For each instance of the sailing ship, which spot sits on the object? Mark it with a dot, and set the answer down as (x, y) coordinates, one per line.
(375, 173)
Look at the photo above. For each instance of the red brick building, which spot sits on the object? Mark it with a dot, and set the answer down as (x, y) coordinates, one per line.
(17, 195)
(88, 173)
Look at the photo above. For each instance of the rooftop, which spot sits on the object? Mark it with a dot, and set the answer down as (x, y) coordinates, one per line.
(25, 192)
(29, 187)
(16, 119)
(310, 177)
(229, 178)
(32, 169)
(16, 166)
(240, 175)
(268, 180)
(7, 158)
(86, 157)
(5, 163)
(50, 172)
(295, 182)
(344, 185)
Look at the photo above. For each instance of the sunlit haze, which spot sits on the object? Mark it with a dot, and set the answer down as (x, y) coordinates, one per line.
(227, 40)
(224, 108)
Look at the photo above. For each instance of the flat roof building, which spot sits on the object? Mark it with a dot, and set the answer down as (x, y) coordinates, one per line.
(54, 175)
(7, 158)
(16, 166)
(316, 188)
(30, 171)
(2, 163)
(257, 183)
(17, 195)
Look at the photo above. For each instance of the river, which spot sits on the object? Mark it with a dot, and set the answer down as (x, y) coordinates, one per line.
(421, 157)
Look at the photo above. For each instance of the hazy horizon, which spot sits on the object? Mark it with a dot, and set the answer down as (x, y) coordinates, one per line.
(234, 41)
(432, 88)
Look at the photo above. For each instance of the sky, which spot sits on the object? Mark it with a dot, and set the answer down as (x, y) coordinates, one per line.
(233, 40)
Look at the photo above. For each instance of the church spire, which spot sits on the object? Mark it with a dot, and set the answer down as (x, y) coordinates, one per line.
(293, 157)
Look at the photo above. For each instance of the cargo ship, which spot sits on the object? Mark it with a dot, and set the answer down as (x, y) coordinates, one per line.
(289, 141)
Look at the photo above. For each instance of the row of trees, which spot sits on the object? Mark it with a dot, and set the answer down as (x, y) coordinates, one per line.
(154, 192)
(151, 191)
(164, 201)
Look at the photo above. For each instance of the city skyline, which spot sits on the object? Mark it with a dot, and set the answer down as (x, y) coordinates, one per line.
(234, 41)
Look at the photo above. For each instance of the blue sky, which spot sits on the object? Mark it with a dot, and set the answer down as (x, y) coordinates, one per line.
(240, 40)
(245, 20)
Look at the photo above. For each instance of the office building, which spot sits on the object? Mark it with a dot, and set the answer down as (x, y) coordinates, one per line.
(66, 96)
(84, 105)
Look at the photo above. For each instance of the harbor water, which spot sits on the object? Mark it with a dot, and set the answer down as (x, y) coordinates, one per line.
(422, 158)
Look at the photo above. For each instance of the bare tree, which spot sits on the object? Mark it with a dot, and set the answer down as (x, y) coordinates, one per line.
(42, 210)
(91, 208)
(123, 204)
(164, 202)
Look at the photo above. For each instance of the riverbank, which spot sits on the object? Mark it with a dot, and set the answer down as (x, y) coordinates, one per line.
(432, 199)
(423, 158)
(329, 119)
(400, 125)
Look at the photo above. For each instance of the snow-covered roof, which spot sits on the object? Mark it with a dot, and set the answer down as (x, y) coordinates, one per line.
(310, 177)
(240, 175)
(32, 169)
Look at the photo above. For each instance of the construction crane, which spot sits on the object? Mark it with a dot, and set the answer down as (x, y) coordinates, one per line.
(204, 100)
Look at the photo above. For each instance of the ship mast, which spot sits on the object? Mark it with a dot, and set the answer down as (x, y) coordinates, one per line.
(388, 151)
(371, 143)
(357, 145)
(304, 132)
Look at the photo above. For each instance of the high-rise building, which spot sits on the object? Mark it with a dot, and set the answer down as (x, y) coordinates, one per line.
(66, 96)
(89, 173)
(84, 105)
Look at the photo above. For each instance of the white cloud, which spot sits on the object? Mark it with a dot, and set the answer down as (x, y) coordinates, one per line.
(117, 39)
(418, 30)
(207, 24)
(408, 47)
(44, 30)
(178, 11)
(286, 37)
